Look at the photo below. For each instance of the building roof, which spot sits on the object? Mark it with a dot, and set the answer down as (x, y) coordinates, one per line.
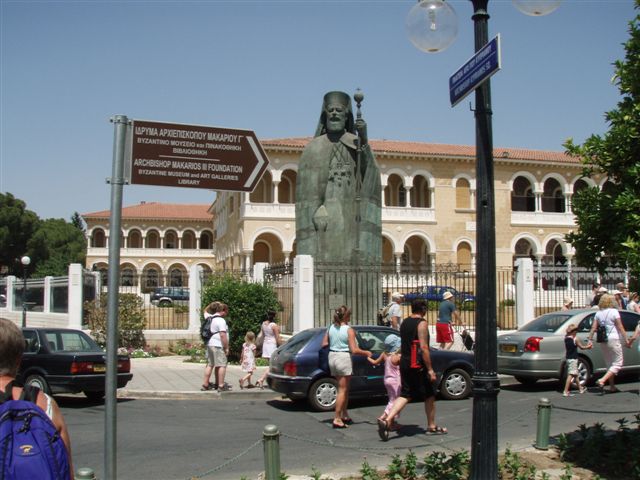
(164, 211)
(394, 147)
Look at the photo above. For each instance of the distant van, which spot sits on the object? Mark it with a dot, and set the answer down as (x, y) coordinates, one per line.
(169, 296)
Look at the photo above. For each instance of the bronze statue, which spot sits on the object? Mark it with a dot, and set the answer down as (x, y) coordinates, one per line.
(338, 192)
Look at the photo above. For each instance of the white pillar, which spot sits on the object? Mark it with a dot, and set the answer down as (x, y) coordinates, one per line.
(567, 203)
(74, 300)
(195, 297)
(46, 307)
(303, 305)
(258, 271)
(398, 257)
(539, 265)
(407, 197)
(524, 291)
(538, 197)
(11, 292)
(275, 192)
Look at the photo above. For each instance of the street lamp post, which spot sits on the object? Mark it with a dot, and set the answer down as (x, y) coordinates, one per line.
(25, 263)
(432, 28)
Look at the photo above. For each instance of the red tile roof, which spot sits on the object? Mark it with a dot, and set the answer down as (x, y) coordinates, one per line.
(392, 147)
(165, 211)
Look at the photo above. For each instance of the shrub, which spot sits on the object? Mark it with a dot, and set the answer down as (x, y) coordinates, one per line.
(248, 303)
(509, 302)
(131, 320)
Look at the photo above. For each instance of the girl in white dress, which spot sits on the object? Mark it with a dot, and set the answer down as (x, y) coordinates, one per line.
(271, 334)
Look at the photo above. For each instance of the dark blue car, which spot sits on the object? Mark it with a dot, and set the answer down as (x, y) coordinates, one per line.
(294, 370)
(435, 293)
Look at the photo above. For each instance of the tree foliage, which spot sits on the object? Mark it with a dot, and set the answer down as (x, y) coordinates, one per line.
(17, 226)
(248, 303)
(51, 244)
(609, 219)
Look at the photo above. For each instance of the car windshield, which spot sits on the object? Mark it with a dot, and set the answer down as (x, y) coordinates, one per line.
(546, 323)
(60, 341)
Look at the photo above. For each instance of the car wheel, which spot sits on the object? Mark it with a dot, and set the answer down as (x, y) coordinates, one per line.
(164, 303)
(38, 381)
(455, 385)
(94, 395)
(585, 375)
(323, 394)
(526, 380)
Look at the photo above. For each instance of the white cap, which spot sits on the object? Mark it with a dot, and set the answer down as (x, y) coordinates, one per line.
(616, 292)
(396, 295)
(602, 290)
(447, 295)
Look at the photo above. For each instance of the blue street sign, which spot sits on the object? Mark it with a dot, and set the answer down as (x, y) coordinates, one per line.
(476, 70)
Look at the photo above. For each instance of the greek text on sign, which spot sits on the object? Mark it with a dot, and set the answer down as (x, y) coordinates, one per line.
(475, 71)
(177, 155)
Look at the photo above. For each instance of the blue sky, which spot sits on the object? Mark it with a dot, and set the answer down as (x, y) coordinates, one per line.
(66, 67)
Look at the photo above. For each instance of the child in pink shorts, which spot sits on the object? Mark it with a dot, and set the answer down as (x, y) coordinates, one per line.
(391, 359)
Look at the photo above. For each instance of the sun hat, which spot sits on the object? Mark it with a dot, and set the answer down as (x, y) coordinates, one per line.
(602, 290)
(396, 295)
(568, 300)
(447, 295)
(392, 343)
(616, 292)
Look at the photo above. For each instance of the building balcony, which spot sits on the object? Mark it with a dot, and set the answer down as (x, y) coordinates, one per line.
(153, 252)
(543, 219)
(408, 214)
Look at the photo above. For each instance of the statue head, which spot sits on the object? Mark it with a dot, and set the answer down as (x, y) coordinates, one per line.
(336, 115)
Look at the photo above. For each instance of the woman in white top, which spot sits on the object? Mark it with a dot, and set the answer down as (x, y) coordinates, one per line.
(632, 305)
(271, 340)
(609, 317)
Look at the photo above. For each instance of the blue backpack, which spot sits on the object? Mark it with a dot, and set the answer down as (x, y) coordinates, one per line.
(30, 445)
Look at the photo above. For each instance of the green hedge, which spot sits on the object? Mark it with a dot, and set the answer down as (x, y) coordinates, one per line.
(248, 303)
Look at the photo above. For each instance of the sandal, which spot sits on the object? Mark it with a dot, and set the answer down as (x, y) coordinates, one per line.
(206, 388)
(600, 387)
(339, 425)
(383, 430)
(347, 420)
(240, 383)
(437, 430)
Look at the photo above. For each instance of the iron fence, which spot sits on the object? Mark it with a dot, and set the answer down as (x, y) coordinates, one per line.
(280, 278)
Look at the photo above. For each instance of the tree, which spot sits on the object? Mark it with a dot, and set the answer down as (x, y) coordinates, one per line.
(17, 226)
(57, 244)
(609, 219)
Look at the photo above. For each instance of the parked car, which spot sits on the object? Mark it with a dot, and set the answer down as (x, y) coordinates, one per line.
(435, 293)
(169, 296)
(59, 360)
(536, 350)
(294, 369)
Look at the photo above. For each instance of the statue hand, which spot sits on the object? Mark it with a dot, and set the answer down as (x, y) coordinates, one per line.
(321, 219)
(361, 128)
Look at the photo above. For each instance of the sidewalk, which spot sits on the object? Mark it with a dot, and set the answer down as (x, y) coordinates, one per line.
(172, 378)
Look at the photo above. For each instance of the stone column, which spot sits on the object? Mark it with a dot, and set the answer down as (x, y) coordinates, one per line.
(275, 191)
(74, 299)
(524, 291)
(195, 297)
(398, 259)
(539, 266)
(407, 198)
(303, 310)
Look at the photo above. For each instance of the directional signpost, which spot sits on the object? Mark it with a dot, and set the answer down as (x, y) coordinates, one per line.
(193, 156)
(174, 155)
(476, 70)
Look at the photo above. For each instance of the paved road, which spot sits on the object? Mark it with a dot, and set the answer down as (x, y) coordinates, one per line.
(220, 437)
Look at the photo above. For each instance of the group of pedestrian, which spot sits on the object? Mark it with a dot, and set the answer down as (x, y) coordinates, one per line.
(408, 372)
(217, 355)
(624, 299)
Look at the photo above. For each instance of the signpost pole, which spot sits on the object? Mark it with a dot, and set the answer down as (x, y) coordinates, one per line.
(111, 382)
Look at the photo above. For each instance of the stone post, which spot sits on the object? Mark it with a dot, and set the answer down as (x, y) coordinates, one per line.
(524, 291)
(303, 308)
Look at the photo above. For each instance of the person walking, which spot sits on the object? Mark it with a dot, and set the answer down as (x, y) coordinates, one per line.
(416, 372)
(209, 311)
(395, 310)
(608, 317)
(271, 339)
(568, 303)
(218, 351)
(571, 345)
(341, 339)
(391, 358)
(248, 359)
(447, 313)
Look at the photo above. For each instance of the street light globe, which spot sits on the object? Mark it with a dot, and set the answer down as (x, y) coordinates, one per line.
(25, 260)
(432, 25)
(536, 8)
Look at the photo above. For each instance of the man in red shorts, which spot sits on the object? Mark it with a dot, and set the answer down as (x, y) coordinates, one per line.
(447, 314)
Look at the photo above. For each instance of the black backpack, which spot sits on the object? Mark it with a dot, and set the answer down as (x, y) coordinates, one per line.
(205, 330)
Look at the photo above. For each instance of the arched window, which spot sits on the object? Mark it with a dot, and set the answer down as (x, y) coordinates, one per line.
(170, 239)
(188, 240)
(552, 197)
(463, 256)
(463, 194)
(522, 196)
(206, 241)
(98, 238)
(395, 193)
(153, 239)
(287, 187)
(263, 193)
(134, 239)
(420, 194)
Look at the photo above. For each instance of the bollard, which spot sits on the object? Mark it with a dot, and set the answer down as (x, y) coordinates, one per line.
(271, 441)
(85, 474)
(544, 419)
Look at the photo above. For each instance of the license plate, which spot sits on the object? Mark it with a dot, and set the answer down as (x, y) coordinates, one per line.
(99, 368)
(509, 348)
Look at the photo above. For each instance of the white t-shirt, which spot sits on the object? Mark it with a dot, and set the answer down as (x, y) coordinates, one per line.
(607, 317)
(218, 324)
(395, 310)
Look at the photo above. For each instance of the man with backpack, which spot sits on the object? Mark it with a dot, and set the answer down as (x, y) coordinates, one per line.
(217, 350)
(33, 435)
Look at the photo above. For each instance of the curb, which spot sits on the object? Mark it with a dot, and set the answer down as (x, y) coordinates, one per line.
(196, 394)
